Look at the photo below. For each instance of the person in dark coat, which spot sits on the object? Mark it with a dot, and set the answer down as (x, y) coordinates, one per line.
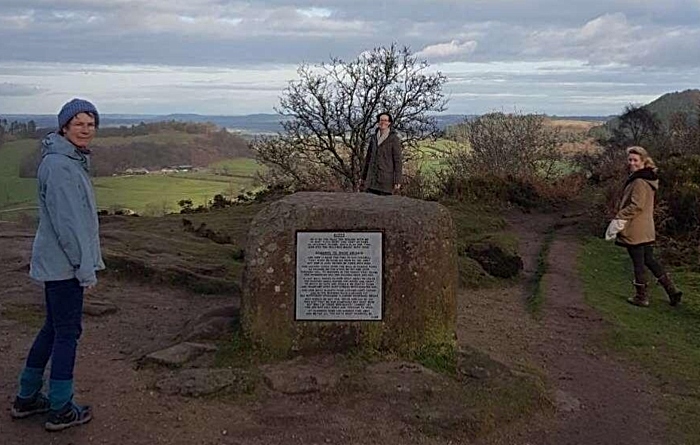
(382, 170)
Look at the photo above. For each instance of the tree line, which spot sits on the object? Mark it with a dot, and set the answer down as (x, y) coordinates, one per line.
(16, 129)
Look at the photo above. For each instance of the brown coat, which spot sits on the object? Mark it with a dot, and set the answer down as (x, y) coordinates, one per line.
(383, 164)
(637, 208)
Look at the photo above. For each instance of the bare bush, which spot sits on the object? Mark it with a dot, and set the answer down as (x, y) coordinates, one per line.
(509, 145)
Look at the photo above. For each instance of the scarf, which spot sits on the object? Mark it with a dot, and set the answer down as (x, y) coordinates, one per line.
(644, 173)
(382, 137)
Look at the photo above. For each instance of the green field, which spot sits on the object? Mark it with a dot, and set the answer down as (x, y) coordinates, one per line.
(150, 194)
(15, 191)
(158, 194)
(432, 154)
(244, 167)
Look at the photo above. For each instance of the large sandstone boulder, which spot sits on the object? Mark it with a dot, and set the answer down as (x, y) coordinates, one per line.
(419, 274)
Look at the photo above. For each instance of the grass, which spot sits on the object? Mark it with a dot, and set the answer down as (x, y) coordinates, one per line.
(159, 194)
(431, 154)
(159, 250)
(439, 358)
(473, 221)
(486, 397)
(665, 341)
(16, 191)
(26, 314)
(536, 300)
(244, 167)
(474, 224)
(148, 194)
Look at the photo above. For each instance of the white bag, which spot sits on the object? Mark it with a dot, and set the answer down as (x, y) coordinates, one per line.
(616, 226)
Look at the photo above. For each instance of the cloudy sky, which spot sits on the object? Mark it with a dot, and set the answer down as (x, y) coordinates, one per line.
(581, 57)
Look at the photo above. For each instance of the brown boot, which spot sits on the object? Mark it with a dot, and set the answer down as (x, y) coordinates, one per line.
(674, 295)
(640, 298)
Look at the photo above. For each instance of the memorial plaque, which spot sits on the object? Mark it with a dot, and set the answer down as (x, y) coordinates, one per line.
(339, 276)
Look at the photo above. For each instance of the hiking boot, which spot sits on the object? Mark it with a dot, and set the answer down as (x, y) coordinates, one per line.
(68, 416)
(674, 295)
(22, 408)
(640, 298)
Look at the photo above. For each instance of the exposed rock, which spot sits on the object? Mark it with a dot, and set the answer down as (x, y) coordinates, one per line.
(495, 259)
(199, 382)
(211, 329)
(98, 308)
(300, 376)
(211, 325)
(566, 402)
(292, 384)
(478, 372)
(420, 274)
(178, 355)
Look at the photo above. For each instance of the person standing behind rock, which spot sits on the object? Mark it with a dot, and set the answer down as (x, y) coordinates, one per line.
(382, 170)
(65, 256)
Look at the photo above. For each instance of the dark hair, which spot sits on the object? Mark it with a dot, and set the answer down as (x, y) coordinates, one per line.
(89, 113)
(391, 119)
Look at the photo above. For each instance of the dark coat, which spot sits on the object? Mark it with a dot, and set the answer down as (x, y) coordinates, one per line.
(383, 163)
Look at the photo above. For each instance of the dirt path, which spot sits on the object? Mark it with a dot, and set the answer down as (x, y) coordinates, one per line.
(602, 400)
(598, 398)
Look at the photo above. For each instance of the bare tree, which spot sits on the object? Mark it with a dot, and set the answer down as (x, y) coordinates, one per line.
(331, 109)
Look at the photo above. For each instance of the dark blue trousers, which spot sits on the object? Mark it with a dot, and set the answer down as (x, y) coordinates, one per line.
(56, 341)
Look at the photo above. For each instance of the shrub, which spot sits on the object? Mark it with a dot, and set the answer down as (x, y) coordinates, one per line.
(508, 145)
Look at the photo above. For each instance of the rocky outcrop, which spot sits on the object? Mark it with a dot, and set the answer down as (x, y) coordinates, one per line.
(419, 274)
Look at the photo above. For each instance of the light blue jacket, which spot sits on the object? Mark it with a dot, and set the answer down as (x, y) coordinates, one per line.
(67, 242)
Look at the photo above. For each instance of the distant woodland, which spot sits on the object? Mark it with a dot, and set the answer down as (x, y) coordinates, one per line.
(154, 146)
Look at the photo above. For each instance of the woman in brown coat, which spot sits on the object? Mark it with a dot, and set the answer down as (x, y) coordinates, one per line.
(382, 170)
(636, 216)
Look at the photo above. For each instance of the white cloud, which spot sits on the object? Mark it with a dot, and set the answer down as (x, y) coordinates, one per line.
(152, 56)
(450, 50)
(614, 39)
(8, 89)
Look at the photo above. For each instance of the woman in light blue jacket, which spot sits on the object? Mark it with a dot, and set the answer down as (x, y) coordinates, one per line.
(65, 256)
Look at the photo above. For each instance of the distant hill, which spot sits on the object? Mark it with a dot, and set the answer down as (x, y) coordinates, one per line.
(248, 124)
(687, 102)
(664, 107)
(252, 124)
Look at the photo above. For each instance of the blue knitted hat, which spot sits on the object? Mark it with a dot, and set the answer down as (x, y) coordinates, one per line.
(76, 106)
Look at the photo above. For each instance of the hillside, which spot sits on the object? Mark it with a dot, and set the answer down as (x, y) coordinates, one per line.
(155, 149)
(685, 102)
(149, 194)
(247, 125)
